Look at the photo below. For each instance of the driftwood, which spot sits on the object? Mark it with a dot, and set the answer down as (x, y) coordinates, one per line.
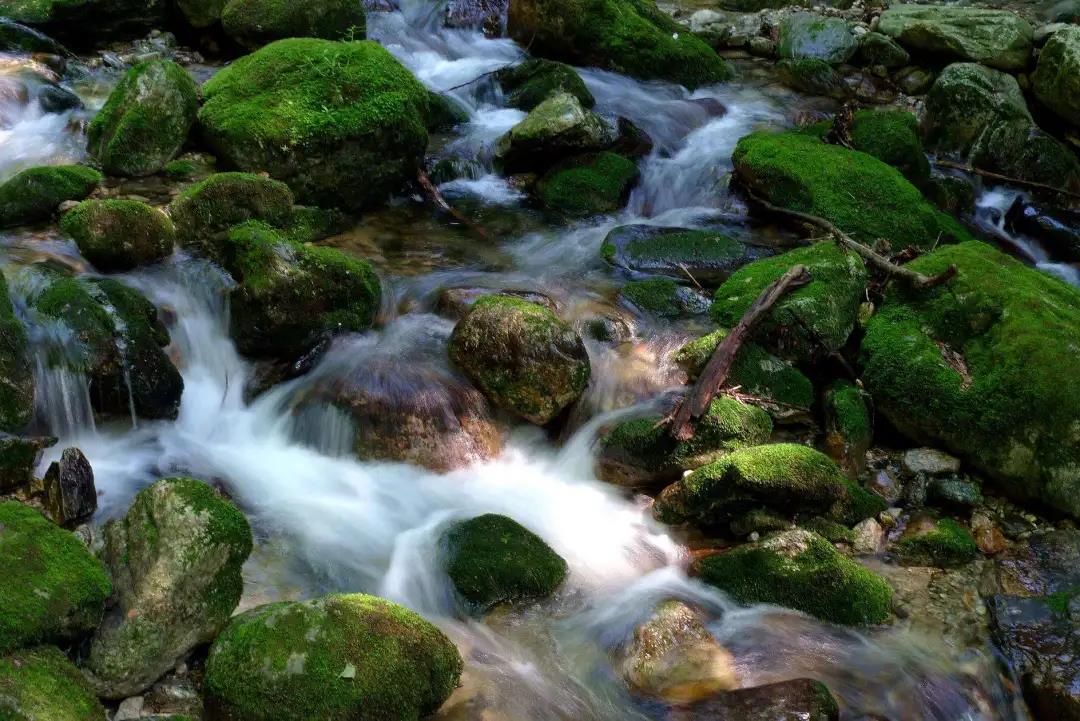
(1034, 185)
(909, 276)
(439, 202)
(716, 371)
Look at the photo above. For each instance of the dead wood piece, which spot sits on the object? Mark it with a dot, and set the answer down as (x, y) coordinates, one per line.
(439, 202)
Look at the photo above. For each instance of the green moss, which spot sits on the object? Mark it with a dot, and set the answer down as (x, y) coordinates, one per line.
(846, 406)
(892, 137)
(800, 570)
(947, 544)
(343, 123)
(533, 81)
(632, 37)
(310, 225)
(1060, 601)
(662, 297)
(492, 559)
(17, 389)
(444, 113)
(54, 589)
(227, 199)
(34, 194)
(254, 23)
(812, 76)
(146, 119)
(830, 530)
(704, 249)
(41, 684)
(590, 185)
(811, 321)
(982, 367)
(181, 169)
(338, 658)
(862, 195)
(119, 235)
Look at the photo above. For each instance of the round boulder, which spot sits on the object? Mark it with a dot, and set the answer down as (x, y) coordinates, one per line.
(119, 235)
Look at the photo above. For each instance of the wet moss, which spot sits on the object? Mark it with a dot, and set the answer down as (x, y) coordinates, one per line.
(590, 185)
(17, 388)
(181, 169)
(533, 81)
(227, 199)
(254, 23)
(34, 194)
(892, 136)
(41, 684)
(846, 408)
(948, 544)
(119, 235)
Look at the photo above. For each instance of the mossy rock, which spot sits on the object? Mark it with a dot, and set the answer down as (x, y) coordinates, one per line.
(787, 478)
(146, 119)
(336, 658)
(943, 543)
(641, 452)
(588, 185)
(849, 427)
(877, 49)
(632, 37)
(119, 235)
(445, 113)
(54, 590)
(290, 294)
(41, 684)
(1056, 80)
(19, 457)
(800, 570)
(492, 559)
(892, 136)
(863, 196)
(555, 129)
(805, 35)
(35, 194)
(998, 38)
(811, 76)
(201, 13)
(535, 80)
(254, 23)
(521, 356)
(813, 320)
(121, 341)
(981, 368)
(663, 298)
(175, 560)
(707, 255)
(17, 387)
(223, 200)
(343, 123)
(1023, 150)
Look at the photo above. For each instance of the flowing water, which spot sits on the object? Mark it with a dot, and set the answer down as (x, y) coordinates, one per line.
(325, 521)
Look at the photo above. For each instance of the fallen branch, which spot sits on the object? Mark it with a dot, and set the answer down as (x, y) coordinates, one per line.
(716, 371)
(439, 202)
(1007, 179)
(912, 277)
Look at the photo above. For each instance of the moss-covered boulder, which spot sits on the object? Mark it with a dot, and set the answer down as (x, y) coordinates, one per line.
(54, 589)
(556, 128)
(998, 38)
(877, 49)
(663, 298)
(633, 37)
(85, 22)
(801, 570)
(535, 80)
(521, 356)
(849, 427)
(588, 185)
(811, 76)
(892, 136)
(146, 119)
(641, 452)
(19, 458)
(936, 542)
(16, 371)
(707, 255)
(788, 479)
(175, 560)
(223, 200)
(121, 346)
(336, 658)
(254, 23)
(343, 123)
(41, 684)
(1056, 80)
(805, 35)
(119, 235)
(810, 321)
(493, 559)
(863, 196)
(981, 367)
(35, 194)
(289, 294)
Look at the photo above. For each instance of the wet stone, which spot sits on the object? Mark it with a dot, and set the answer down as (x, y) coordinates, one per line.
(70, 493)
(798, 700)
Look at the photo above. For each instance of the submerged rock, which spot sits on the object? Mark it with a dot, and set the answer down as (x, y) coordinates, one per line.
(41, 684)
(709, 256)
(998, 38)
(535, 80)
(800, 699)
(254, 23)
(175, 559)
(16, 371)
(119, 235)
(70, 496)
(223, 200)
(35, 194)
(493, 559)
(54, 589)
(145, 121)
(351, 657)
(588, 185)
(342, 123)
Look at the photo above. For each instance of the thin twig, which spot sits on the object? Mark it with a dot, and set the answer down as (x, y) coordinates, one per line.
(691, 277)
(439, 201)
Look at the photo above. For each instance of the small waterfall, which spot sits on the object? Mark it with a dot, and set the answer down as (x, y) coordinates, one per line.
(991, 208)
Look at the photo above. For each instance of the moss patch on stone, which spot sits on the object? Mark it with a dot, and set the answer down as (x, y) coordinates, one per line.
(589, 185)
(946, 545)
(35, 193)
(119, 235)
(535, 80)
(16, 372)
(227, 199)
(41, 684)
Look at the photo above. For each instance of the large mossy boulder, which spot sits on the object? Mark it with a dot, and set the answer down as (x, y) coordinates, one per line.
(800, 570)
(86, 22)
(336, 658)
(1056, 80)
(521, 356)
(812, 320)
(863, 196)
(121, 346)
(145, 121)
(290, 295)
(16, 371)
(492, 559)
(786, 479)
(632, 37)
(254, 23)
(588, 185)
(207, 208)
(708, 255)
(343, 123)
(982, 368)
(641, 451)
(892, 136)
(54, 589)
(119, 235)
(535, 80)
(175, 560)
(805, 35)
(556, 128)
(998, 38)
(35, 194)
(41, 684)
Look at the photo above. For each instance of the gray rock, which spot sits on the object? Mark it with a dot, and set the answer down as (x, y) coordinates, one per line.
(804, 35)
(930, 462)
(70, 493)
(869, 537)
(1056, 80)
(998, 38)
